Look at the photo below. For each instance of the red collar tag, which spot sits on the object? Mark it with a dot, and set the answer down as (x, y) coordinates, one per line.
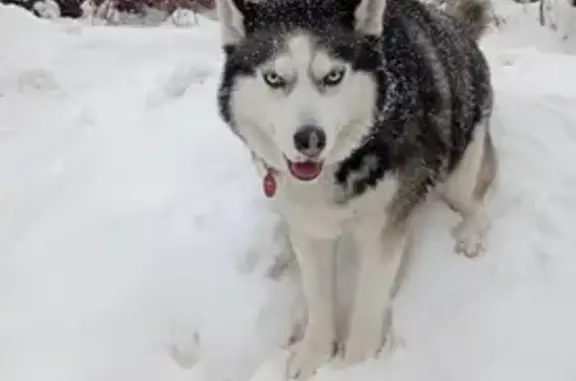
(269, 184)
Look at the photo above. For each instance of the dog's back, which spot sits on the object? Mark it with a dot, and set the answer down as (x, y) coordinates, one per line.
(441, 93)
(443, 76)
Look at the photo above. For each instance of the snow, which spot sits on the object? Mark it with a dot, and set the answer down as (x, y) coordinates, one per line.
(132, 222)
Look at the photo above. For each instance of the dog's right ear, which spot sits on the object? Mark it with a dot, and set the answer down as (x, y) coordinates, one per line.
(231, 14)
(369, 16)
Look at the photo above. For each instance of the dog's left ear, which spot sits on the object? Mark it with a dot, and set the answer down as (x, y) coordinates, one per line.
(231, 15)
(369, 16)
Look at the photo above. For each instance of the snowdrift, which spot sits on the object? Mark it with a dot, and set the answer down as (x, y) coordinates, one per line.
(129, 216)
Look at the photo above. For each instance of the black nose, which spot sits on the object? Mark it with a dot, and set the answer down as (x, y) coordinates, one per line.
(310, 140)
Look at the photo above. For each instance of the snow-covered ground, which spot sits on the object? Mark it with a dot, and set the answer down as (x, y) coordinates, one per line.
(129, 213)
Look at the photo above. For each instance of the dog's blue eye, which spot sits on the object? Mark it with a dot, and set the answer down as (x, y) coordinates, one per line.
(274, 80)
(334, 77)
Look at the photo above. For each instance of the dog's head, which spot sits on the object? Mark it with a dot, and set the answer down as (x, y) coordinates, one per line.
(301, 79)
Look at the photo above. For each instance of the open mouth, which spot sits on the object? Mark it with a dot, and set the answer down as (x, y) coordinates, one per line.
(305, 170)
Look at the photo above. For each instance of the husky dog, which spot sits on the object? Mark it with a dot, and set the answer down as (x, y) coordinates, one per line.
(358, 111)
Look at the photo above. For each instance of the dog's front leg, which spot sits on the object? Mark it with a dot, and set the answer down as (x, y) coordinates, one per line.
(380, 253)
(316, 261)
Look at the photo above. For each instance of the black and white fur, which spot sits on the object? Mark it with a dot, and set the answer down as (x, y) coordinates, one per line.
(403, 97)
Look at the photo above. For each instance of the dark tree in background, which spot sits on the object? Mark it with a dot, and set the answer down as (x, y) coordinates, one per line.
(73, 8)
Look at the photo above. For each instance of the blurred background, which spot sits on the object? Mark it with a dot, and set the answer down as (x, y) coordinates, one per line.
(557, 15)
(113, 12)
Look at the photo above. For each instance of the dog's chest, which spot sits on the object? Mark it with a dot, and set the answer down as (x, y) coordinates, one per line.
(317, 208)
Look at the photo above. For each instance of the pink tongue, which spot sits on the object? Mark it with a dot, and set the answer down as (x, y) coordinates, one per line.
(307, 170)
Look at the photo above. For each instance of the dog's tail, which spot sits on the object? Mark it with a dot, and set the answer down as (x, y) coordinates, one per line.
(474, 16)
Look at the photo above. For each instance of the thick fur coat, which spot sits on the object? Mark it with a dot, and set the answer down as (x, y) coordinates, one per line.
(360, 110)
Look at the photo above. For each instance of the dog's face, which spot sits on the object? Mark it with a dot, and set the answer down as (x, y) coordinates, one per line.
(299, 84)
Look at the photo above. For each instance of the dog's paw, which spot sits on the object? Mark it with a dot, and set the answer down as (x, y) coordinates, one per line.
(307, 357)
(387, 347)
(470, 236)
(360, 347)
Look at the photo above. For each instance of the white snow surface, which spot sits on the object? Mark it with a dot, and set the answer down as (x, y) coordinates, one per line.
(129, 213)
